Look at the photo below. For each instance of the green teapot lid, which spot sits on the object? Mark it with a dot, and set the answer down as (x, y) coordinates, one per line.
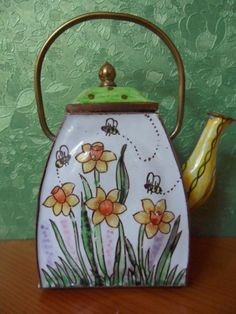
(109, 93)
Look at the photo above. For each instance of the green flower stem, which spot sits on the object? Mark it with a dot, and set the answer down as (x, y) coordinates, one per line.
(99, 249)
(140, 250)
(98, 235)
(77, 245)
(122, 255)
(96, 178)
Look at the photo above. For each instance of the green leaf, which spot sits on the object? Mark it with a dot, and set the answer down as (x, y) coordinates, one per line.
(131, 281)
(99, 249)
(137, 274)
(131, 253)
(180, 278)
(63, 275)
(133, 261)
(78, 250)
(220, 32)
(120, 259)
(122, 183)
(122, 177)
(51, 282)
(57, 276)
(162, 267)
(164, 272)
(151, 277)
(140, 252)
(171, 276)
(86, 233)
(147, 262)
(115, 276)
(66, 253)
(55, 87)
(25, 98)
(87, 189)
(70, 273)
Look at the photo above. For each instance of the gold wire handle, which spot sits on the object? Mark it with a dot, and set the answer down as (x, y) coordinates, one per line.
(115, 16)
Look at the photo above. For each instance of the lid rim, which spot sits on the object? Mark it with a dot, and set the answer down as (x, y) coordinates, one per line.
(112, 107)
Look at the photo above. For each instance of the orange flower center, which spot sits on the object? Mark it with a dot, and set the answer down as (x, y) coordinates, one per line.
(59, 194)
(155, 218)
(106, 207)
(96, 152)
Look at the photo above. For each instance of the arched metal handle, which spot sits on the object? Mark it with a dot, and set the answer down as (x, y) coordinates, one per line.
(115, 16)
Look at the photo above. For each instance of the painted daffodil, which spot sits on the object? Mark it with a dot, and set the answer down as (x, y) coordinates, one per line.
(94, 157)
(154, 217)
(106, 207)
(61, 199)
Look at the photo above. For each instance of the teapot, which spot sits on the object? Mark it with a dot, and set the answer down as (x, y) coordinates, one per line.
(113, 202)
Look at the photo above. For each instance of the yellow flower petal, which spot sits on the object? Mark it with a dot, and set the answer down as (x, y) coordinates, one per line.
(68, 188)
(88, 166)
(161, 206)
(118, 208)
(108, 156)
(100, 195)
(97, 217)
(86, 147)
(83, 157)
(113, 195)
(57, 209)
(50, 201)
(72, 200)
(164, 228)
(168, 216)
(93, 203)
(113, 220)
(148, 205)
(66, 209)
(151, 230)
(101, 166)
(142, 217)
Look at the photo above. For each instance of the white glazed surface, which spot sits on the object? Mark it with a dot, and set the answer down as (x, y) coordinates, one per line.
(140, 131)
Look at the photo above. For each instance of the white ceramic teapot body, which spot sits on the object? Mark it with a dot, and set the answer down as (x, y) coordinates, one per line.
(112, 207)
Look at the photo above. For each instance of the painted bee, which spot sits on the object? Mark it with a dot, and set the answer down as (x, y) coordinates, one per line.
(110, 128)
(62, 156)
(152, 184)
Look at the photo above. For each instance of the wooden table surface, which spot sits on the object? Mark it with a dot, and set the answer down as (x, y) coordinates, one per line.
(211, 288)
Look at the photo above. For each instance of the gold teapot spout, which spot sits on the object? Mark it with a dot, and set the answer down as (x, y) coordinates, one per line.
(199, 170)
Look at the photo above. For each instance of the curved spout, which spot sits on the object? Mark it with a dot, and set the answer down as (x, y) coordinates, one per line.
(199, 170)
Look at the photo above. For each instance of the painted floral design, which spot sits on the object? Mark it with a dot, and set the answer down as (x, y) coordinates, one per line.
(154, 217)
(94, 157)
(90, 264)
(61, 199)
(106, 207)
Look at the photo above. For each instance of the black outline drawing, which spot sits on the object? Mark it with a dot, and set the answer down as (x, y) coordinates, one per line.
(62, 156)
(152, 184)
(110, 127)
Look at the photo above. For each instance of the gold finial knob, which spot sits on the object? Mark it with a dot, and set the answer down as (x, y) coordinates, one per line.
(107, 75)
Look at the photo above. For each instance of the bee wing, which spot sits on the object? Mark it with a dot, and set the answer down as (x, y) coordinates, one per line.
(64, 150)
(157, 180)
(109, 122)
(150, 177)
(115, 123)
(59, 154)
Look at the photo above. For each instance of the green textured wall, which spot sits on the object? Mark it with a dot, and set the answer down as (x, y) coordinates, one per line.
(203, 31)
